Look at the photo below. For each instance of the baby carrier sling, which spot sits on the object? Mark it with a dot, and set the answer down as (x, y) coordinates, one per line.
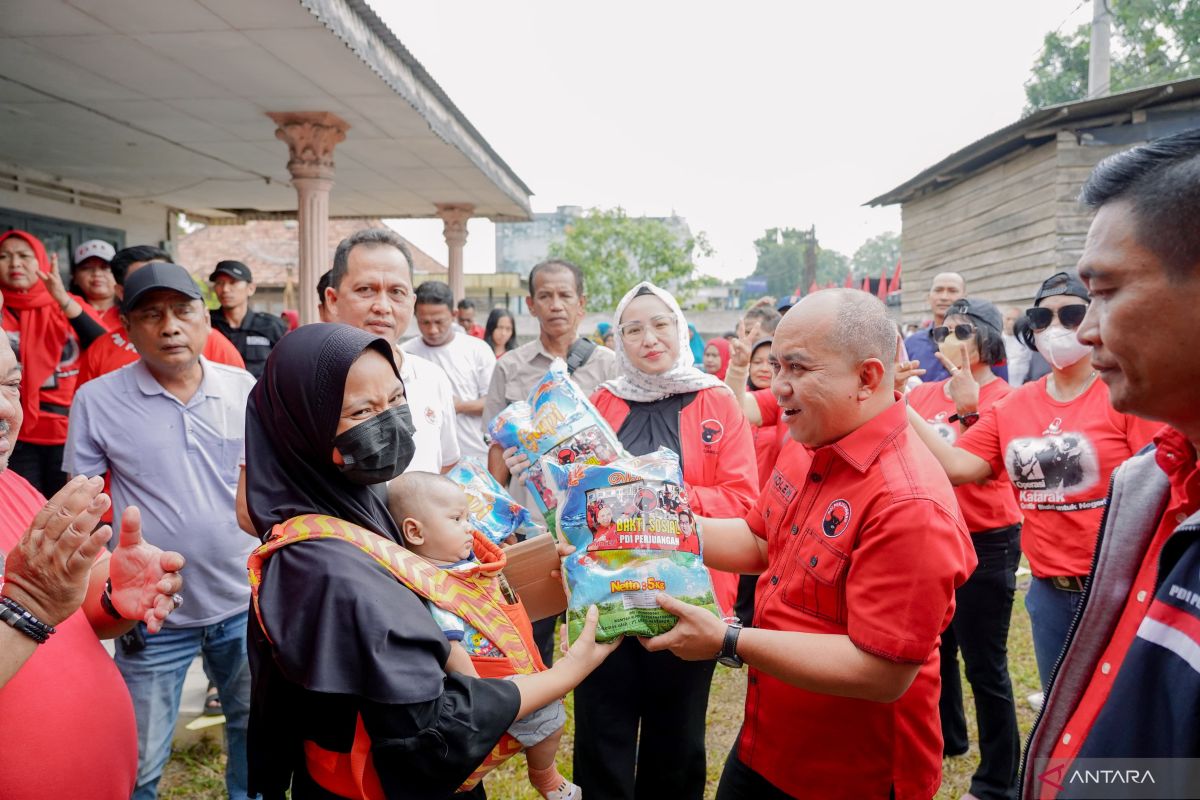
(473, 595)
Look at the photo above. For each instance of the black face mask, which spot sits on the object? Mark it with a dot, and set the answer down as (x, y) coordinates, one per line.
(378, 449)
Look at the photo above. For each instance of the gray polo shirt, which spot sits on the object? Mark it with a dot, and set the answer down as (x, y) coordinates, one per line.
(178, 463)
(518, 371)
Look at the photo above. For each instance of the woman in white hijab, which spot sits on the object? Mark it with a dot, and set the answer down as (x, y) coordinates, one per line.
(661, 399)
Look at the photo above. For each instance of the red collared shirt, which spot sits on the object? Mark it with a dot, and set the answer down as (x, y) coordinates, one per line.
(864, 539)
(1176, 457)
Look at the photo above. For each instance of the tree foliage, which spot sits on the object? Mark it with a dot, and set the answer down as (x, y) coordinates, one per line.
(616, 251)
(1153, 41)
(781, 261)
(876, 254)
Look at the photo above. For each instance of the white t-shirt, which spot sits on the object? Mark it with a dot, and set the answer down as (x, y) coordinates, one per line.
(431, 403)
(468, 363)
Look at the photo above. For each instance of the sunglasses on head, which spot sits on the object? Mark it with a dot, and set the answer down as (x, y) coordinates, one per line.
(1070, 316)
(962, 332)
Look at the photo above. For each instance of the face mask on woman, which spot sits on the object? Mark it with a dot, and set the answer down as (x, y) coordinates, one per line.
(378, 449)
(1060, 346)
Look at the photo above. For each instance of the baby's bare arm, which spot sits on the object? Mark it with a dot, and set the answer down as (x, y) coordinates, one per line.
(459, 661)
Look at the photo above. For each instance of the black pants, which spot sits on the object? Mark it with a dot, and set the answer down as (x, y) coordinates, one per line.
(739, 782)
(41, 465)
(983, 608)
(543, 637)
(743, 606)
(668, 698)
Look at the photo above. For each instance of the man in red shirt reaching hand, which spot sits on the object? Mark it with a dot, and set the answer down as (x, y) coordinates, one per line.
(861, 545)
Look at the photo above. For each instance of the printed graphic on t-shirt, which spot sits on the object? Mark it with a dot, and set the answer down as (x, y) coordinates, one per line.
(68, 362)
(1049, 468)
(636, 516)
(944, 429)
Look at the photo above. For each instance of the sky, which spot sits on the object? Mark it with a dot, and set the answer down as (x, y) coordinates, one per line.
(738, 117)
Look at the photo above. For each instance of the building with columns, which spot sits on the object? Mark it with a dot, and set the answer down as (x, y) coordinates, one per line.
(119, 116)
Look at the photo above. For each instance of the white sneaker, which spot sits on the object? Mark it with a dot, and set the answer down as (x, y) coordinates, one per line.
(567, 791)
(1036, 700)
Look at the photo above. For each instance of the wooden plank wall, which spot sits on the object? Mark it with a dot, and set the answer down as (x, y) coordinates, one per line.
(1075, 164)
(997, 228)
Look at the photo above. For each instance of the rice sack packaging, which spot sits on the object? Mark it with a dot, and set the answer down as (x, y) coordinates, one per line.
(492, 509)
(635, 535)
(557, 425)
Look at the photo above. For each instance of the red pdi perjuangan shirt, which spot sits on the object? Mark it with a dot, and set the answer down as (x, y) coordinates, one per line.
(985, 506)
(67, 710)
(1059, 457)
(864, 539)
(719, 468)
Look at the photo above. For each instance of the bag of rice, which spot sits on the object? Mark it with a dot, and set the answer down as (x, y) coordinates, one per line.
(492, 509)
(557, 425)
(635, 535)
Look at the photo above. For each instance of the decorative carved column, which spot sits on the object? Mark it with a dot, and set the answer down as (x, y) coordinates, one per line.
(311, 138)
(454, 228)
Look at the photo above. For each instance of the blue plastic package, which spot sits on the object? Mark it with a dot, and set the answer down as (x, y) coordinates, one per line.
(493, 510)
(635, 536)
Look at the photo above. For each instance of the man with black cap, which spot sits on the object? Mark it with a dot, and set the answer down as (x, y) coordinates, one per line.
(253, 333)
(169, 429)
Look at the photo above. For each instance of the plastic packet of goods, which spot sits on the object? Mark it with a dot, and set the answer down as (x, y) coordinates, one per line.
(557, 425)
(635, 536)
(492, 509)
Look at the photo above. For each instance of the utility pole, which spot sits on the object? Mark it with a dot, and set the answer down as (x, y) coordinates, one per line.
(1098, 56)
(810, 259)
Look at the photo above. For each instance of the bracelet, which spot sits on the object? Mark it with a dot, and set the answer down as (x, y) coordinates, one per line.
(23, 620)
(106, 601)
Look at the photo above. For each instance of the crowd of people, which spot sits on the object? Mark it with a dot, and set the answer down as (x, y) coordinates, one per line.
(864, 500)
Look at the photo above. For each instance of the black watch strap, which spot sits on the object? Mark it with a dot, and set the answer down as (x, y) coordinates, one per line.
(728, 655)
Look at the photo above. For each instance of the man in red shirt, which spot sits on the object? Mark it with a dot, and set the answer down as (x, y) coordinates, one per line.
(1126, 692)
(861, 545)
(60, 692)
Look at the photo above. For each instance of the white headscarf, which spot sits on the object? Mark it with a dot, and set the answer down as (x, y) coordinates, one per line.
(641, 387)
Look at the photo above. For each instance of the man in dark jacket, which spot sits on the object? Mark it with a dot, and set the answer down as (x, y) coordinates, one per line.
(253, 333)
(1122, 704)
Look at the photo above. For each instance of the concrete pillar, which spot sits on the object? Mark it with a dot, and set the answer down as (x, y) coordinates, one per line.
(454, 228)
(311, 137)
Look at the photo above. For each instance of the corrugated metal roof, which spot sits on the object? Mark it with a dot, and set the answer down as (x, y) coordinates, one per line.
(1040, 126)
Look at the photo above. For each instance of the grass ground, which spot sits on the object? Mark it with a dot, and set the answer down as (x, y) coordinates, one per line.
(196, 773)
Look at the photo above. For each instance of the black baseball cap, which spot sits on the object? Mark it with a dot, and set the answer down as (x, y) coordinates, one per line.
(234, 269)
(1067, 283)
(978, 309)
(158, 275)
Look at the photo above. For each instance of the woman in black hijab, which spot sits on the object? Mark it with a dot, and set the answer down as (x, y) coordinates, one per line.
(348, 644)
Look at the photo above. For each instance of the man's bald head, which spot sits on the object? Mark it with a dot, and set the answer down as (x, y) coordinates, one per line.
(835, 355)
(852, 323)
(943, 291)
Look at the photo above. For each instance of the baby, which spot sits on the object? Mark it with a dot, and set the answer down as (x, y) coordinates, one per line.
(431, 512)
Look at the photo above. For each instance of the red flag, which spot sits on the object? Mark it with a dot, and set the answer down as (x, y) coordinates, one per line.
(894, 284)
(849, 284)
(866, 287)
(881, 292)
(831, 285)
(814, 288)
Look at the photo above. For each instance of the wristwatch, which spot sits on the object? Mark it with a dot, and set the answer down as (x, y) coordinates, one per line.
(728, 655)
(967, 420)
